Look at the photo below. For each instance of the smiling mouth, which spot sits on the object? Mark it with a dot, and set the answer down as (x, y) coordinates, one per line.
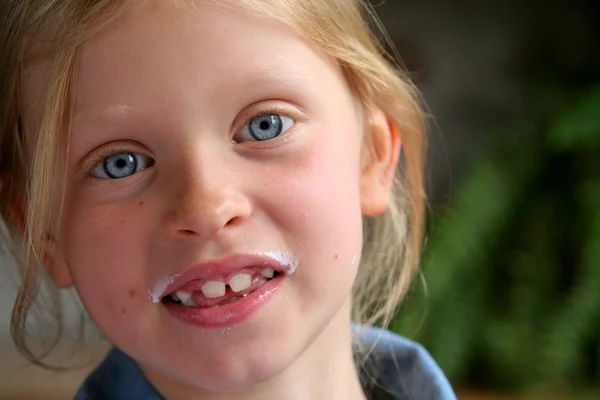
(217, 293)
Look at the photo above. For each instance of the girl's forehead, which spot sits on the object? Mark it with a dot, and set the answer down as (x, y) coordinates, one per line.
(157, 46)
(203, 27)
(159, 49)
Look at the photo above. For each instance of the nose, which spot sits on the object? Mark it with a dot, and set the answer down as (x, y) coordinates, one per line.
(205, 205)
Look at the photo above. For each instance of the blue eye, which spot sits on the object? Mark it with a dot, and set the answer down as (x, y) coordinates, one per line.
(264, 127)
(121, 165)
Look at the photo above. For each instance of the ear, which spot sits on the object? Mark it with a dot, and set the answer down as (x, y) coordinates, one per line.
(378, 163)
(51, 256)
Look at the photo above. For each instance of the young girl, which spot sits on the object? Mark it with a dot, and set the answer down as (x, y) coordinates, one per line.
(217, 181)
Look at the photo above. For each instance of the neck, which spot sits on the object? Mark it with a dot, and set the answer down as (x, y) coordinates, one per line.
(325, 370)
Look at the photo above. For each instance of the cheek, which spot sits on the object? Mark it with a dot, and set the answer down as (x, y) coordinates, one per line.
(103, 246)
(328, 186)
(318, 207)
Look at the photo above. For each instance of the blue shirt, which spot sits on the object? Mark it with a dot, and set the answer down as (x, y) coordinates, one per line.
(396, 369)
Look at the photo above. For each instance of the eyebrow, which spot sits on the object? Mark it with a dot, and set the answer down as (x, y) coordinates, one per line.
(275, 76)
(280, 73)
(283, 79)
(119, 111)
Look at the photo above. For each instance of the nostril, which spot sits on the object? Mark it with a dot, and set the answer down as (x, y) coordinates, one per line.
(205, 216)
(233, 221)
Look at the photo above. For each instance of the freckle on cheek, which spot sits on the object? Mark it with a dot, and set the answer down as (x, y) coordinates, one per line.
(141, 203)
(132, 293)
(123, 310)
(336, 256)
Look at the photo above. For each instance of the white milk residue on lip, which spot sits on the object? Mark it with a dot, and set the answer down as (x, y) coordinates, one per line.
(283, 258)
(159, 289)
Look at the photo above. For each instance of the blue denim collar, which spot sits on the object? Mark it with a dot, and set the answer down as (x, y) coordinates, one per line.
(396, 369)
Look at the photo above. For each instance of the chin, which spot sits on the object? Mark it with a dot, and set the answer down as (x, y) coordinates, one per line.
(231, 371)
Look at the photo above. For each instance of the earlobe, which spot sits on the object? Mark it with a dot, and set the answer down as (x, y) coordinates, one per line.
(50, 255)
(55, 263)
(379, 162)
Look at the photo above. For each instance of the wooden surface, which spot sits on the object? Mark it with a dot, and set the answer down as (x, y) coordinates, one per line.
(21, 381)
(478, 395)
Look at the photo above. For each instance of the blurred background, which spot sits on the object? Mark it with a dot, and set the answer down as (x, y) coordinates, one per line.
(510, 308)
(511, 305)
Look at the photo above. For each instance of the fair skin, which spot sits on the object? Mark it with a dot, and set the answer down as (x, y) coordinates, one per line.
(178, 89)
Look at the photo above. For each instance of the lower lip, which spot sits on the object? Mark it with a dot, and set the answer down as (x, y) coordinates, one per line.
(229, 314)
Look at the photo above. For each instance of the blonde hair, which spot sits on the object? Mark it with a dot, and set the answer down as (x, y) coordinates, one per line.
(55, 29)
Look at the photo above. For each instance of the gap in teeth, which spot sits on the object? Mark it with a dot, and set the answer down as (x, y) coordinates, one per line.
(216, 289)
(237, 283)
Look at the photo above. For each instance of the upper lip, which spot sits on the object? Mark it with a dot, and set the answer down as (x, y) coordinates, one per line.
(221, 270)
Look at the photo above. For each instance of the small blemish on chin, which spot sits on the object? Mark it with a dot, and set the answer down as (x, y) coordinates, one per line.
(141, 203)
(335, 257)
(123, 311)
(132, 293)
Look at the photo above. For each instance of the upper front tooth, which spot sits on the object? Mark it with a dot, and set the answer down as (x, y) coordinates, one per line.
(213, 289)
(240, 282)
(185, 298)
(268, 272)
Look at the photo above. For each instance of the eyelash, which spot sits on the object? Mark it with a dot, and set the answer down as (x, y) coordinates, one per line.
(101, 156)
(295, 116)
(278, 110)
